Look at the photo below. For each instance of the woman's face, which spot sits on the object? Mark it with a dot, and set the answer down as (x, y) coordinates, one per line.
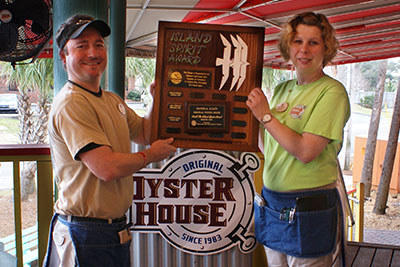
(307, 49)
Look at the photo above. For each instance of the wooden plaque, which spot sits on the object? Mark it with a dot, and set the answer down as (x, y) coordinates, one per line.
(204, 73)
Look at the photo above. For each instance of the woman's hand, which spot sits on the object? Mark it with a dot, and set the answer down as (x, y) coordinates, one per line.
(258, 103)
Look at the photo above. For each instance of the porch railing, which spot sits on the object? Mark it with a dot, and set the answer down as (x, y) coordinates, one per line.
(41, 155)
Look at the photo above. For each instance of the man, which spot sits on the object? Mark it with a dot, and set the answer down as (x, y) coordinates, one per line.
(90, 132)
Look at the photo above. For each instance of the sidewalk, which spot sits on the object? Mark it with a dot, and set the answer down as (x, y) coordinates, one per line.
(386, 237)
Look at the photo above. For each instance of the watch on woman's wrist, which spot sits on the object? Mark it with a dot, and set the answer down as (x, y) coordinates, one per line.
(266, 118)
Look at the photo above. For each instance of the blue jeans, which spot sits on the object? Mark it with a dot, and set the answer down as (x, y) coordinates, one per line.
(98, 244)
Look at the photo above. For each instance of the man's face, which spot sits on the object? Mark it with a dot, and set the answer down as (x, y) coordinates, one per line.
(85, 57)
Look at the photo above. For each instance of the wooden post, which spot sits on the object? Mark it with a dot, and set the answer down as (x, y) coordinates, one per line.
(360, 213)
(44, 203)
(351, 228)
(17, 213)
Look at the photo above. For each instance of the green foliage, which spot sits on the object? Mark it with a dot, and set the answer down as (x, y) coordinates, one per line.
(272, 77)
(391, 84)
(143, 68)
(134, 95)
(367, 101)
(31, 77)
(370, 72)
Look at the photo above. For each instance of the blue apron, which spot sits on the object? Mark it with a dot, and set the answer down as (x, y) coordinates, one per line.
(283, 223)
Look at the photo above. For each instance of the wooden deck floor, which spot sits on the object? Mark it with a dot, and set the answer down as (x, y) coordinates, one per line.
(374, 255)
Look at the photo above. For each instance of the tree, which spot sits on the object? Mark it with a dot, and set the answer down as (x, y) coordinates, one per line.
(366, 175)
(40, 78)
(131, 71)
(143, 69)
(367, 80)
(391, 80)
(35, 77)
(17, 76)
(31, 78)
(388, 162)
(271, 78)
(347, 142)
(369, 70)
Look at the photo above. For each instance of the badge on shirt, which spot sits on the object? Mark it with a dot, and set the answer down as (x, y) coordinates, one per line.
(297, 111)
(121, 109)
(281, 107)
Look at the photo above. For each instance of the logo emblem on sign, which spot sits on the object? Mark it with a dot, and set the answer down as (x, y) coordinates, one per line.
(200, 201)
(238, 63)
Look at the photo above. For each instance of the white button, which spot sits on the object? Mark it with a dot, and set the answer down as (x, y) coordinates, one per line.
(58, 239)
(121, 109)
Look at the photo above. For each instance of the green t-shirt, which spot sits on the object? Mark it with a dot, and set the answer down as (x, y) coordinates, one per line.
(322, 108)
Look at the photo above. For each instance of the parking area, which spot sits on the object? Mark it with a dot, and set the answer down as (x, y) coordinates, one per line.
(8, 104)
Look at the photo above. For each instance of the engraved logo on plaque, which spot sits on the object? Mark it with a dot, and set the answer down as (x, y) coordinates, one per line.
(238, 63)
(176, 77)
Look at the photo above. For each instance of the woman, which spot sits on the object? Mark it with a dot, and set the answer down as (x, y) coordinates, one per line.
(297, 217)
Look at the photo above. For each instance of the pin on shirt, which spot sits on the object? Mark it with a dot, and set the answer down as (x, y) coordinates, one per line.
(121, 109)
(281, 107)
(297, 111)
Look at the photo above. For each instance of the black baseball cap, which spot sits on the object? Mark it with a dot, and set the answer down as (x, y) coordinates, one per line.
(76, 24)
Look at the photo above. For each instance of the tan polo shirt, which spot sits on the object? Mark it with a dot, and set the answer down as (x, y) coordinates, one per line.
(78, 118)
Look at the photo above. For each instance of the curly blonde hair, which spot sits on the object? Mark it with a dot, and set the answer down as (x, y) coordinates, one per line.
(310, 19)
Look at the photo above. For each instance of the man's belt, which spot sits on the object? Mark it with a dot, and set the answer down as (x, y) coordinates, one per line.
(70, 218)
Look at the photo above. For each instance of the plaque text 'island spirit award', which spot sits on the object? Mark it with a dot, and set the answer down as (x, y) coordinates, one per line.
(204, 74)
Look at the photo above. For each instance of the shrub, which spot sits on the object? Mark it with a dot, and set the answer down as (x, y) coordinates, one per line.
(367, 101)
(134, 95)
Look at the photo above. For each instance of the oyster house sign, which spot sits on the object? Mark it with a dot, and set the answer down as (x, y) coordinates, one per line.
(200, 201)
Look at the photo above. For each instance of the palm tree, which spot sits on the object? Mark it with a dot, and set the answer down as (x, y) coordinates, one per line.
(30, 78)
(17, 76)
(144, 69)
(40, 78)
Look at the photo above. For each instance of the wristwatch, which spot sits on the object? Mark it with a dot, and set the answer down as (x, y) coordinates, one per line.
(266, 118)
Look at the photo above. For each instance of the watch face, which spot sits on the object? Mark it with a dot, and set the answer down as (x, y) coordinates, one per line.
(267, 117)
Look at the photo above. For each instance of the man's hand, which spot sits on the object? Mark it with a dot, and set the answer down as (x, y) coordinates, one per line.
(160, 149)
(153, 89)
(108, 165)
